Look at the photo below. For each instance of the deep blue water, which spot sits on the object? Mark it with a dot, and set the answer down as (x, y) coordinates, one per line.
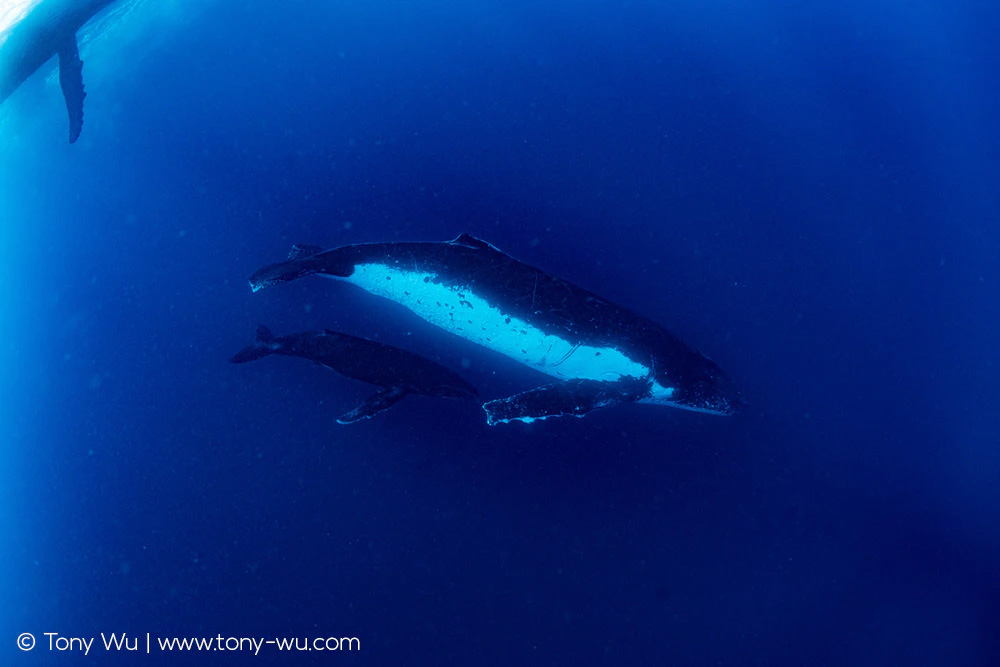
(807, 192)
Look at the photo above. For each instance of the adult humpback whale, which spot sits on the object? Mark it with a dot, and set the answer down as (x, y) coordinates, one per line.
(47, 30)
(397, 371)
(604, 354)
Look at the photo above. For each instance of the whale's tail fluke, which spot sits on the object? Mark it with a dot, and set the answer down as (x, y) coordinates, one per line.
(263, 345)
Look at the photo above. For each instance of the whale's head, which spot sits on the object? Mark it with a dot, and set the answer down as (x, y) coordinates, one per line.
(707, 389)
(304, 260)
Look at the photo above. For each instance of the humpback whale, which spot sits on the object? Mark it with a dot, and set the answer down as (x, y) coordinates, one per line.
(50, 29)
(397, 371)
(602, 354)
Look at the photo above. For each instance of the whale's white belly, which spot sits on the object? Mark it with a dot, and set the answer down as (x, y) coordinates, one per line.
(464, 313)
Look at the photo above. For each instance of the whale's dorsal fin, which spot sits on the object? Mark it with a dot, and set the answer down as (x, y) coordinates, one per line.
(570, 398)
(71, 81)
(374, 404)
(470, 241)
(300, 250)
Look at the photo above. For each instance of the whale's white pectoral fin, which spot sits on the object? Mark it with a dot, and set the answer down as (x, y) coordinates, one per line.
(71, 80)
(570, 398)
(374, 404)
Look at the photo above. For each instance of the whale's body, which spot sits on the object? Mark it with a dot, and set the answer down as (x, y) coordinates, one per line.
(597, 349)
(47, 30)
(399, 372)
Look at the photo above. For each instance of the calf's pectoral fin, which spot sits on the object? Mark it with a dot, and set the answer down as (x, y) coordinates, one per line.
(374, 404)
(570, 398)
(71, 80)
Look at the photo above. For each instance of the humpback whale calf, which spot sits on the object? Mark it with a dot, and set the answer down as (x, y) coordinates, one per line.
(47, 30)
(602, 354)
(397, 371)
